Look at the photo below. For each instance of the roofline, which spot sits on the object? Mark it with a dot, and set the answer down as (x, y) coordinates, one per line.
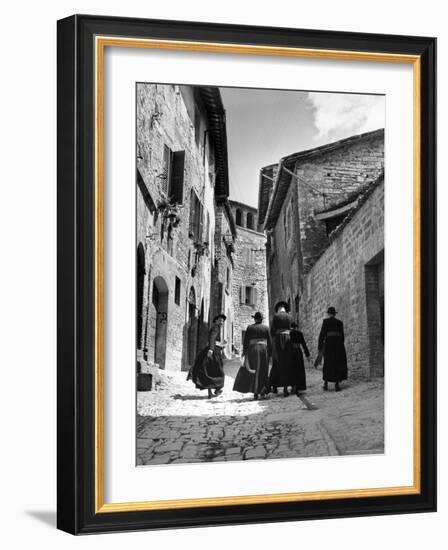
(230, 217)
(303, 155)
(216, 115)
(239, 203)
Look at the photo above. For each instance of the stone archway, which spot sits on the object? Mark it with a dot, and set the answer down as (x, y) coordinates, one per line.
(160, 319)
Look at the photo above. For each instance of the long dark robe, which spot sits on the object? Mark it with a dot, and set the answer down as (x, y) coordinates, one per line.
(281, 372)
(256, 351)
(207, 373)
(331, 342)
(298, 365)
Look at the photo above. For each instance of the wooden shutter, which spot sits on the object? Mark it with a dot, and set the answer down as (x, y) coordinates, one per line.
(165, 176)
(200, 223)
(242, 294)
(254, 296)
(177, 177)
(192, 213)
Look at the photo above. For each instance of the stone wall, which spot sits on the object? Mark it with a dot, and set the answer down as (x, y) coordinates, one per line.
(349, 275)
(329, 178)
(163, 120)
(250, 271)
(222, 276)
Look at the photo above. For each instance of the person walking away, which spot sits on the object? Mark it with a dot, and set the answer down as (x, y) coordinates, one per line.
(207, 373)
(298, 367)
(253, 375)
(331, 346)
(281, 372)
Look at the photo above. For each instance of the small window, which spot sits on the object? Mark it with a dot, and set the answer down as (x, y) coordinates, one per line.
(250, 220)
(228, 279)
(248, 295)
(177, 291)
(238, 217)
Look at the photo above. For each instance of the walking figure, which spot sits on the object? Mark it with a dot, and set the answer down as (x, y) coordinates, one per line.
(331, 347)
(253, 375)
(298, 366)
(281, 372)
(207, 373)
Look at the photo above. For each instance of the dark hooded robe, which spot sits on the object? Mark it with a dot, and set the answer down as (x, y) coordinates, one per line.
(281, 372)
(207, 373)
(256, 351)
(298, 366)
(331, 343)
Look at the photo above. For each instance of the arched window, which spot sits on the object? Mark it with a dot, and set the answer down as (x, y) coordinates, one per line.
(238, 217)
(250, 220)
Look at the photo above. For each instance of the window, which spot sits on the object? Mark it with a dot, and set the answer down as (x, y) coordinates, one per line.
(297, 304)
(248, 256)
(177, 291)
(228, 279)
(248, 295)
(250, 220)
(172, 177)
(196, 215)
(238, 219)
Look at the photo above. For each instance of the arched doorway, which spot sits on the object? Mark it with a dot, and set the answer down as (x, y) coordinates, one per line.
(160, 319)
(192, 326)
(139, 293)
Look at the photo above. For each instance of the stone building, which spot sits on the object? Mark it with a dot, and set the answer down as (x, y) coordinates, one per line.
(324, 221)
(249, 289)
(182, 176)
(223, 271)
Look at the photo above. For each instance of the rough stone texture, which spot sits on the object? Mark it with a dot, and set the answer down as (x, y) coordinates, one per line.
(223, 275)
(329, 179)
(249, 271)
(347, 277)
(165, 116)
(178, 424)
(312, 270)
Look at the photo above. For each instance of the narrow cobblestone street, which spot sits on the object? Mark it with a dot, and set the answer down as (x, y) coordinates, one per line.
(176, 423)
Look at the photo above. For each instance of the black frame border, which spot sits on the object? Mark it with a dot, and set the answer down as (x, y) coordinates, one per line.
(76, 261)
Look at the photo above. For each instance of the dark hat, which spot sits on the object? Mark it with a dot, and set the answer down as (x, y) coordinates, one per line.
(280, 304)
(331, 311)
(221, 315)
(258, 316)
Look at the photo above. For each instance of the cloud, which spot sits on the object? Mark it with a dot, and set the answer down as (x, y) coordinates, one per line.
(341, 115)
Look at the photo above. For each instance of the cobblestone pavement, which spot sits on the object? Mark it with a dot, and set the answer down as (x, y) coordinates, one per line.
(178, 424)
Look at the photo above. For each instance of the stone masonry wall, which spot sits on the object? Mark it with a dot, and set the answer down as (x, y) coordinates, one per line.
(338, 278)
(283, 255)
(330, 178)
(250, 245)
(163, 119)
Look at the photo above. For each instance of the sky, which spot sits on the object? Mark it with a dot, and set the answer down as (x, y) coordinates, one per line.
(265, 125)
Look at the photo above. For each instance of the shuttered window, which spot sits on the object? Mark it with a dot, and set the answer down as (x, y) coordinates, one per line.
(172, 177)
(248, 295)
(196, 218)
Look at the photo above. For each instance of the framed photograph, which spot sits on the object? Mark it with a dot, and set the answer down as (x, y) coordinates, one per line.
(246, 274)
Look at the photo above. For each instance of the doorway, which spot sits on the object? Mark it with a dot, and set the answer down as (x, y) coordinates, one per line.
(160, 315)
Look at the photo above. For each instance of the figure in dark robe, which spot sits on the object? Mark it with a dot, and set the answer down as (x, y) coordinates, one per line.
(332, 348)
(281, 372)
(298, 366)
(207, 373)
(253, 377)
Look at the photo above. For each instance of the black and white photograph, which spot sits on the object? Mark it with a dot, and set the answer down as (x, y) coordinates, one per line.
(259, 274)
